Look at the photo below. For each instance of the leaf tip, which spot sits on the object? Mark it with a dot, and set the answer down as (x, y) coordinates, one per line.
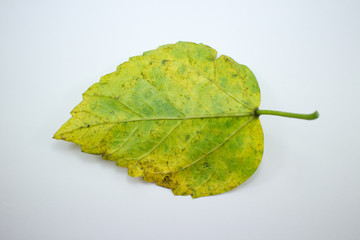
(57, 136)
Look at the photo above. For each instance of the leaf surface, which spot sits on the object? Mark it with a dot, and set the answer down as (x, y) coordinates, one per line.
(177, 116)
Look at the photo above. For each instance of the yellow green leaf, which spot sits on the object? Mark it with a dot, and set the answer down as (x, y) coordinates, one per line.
(177, 116)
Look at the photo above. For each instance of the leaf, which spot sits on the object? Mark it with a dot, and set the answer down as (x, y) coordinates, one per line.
(177, 116)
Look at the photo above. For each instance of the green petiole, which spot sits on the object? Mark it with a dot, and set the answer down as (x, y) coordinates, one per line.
(311, 116)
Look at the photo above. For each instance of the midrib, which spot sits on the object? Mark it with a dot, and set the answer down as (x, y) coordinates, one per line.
(248, 114)
(184, 118)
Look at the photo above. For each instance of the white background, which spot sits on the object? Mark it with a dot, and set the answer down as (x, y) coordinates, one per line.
(306, 56)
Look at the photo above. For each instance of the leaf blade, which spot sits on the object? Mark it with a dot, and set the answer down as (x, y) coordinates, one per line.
(166, 114)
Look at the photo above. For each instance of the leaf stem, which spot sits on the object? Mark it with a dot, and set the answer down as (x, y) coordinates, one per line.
(311, 116)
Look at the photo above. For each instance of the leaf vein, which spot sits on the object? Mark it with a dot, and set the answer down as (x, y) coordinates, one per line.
(218, 146)
(126, 141)
(113, 98)
(162, 140)
(213, 81)
(165, 97)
